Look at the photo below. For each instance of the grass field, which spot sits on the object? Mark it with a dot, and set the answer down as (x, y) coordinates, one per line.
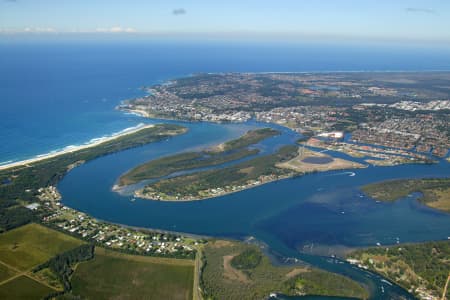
(5, 272)
(121, 276)
(23, 288)
(33, 244)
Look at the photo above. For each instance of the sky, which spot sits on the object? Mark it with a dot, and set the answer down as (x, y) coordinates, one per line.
(398, 20)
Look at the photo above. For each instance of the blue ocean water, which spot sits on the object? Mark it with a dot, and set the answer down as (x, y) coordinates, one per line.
(61, 92)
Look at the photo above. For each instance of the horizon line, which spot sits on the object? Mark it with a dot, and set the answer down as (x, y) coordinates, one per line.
(274, 35)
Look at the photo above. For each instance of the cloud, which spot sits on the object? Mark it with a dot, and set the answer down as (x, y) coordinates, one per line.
(421, 10)
(39, 29)
(10, 0)
(116, 29)
(179, 11)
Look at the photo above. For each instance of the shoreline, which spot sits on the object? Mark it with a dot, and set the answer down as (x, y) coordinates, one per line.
(138, 195)
(71, 149)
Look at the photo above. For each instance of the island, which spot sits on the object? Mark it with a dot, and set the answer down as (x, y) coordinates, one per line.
(216, 182)
(435, 192)
(287, 161)
(220, 154)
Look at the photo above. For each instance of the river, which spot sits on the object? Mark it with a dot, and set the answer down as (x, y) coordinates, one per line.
(319, 214)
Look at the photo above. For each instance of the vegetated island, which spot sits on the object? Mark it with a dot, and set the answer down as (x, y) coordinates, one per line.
(423, 269)
(286, 162)
(234, 270)
(225, 152)
(435, 192)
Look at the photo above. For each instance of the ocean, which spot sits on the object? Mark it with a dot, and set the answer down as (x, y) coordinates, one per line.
(59, 93)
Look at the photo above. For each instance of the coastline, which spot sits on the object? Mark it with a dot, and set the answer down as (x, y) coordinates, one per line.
(138, 112)
(72, 149)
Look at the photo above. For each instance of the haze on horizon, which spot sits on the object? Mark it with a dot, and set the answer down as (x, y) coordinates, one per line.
(419, 21)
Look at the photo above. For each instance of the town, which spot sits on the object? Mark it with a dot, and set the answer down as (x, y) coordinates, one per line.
(118, 237)
(380, 110)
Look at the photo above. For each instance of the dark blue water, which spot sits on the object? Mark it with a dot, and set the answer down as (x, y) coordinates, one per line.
(62, 92)
(55, 94)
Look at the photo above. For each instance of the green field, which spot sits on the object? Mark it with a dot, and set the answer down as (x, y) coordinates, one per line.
(23, 288)
(233, 270)
(6, 272)
(435, 192)
(33, 244)
(121, 276)
(226, 152)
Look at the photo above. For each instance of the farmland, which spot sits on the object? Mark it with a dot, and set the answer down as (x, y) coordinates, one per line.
(33, 244)
(123, 276)
(25, 288)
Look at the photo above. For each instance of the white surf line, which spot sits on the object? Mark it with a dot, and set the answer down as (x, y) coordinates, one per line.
(94, 142)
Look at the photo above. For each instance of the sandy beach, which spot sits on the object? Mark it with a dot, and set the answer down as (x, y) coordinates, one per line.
(71, 149)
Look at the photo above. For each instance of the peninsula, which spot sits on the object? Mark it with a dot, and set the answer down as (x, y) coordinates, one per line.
(422, 269)
(73, 149)
(435, 192)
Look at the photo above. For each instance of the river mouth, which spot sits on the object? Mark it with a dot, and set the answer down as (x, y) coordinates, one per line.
(321, 209)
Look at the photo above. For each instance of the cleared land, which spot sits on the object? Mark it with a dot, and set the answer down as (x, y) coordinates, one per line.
(6, 272)
(235, 270)
(435, 192)
(121, 276)
(33, 244)
(308, 161)
(226, 152)
(421, 268)
(23, 288)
